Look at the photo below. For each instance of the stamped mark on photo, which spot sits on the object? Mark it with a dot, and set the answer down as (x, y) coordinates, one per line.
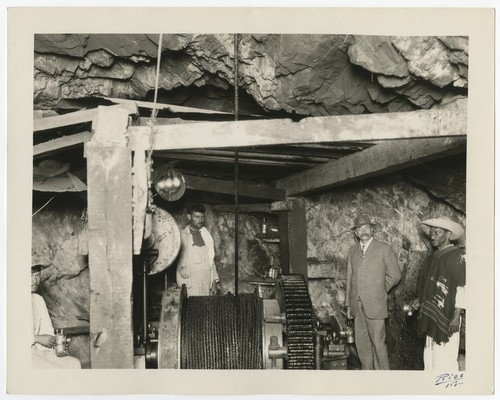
(450, 380)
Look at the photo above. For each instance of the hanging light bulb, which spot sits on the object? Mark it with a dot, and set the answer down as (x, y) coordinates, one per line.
(161, 185)
(169, 184)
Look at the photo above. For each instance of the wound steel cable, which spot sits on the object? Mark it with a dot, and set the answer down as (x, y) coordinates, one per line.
(221, 332)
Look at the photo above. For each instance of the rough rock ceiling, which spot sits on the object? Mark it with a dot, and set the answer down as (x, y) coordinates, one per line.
(280, 76)
(302, 74)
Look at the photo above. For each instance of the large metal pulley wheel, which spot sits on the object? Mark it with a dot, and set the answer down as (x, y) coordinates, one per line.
(167, 237)
(238, 332)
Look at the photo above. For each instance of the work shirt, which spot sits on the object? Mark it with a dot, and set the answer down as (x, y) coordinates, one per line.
(196, 267)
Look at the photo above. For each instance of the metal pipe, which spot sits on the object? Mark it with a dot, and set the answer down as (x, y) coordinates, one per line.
(318, 351)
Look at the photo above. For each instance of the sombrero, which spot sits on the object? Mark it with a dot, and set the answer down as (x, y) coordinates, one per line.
(444, 223)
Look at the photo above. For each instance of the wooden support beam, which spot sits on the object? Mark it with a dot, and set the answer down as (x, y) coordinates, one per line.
(415, 124)
(77, 117)
(297, 237)
(243, 208)
(109, 181)
(284, 245)
(141, 176)
(377, 160)
(262, 155)
(229, 159)
(63, 143)
(163, 106)
(227, 187)
(285, 205)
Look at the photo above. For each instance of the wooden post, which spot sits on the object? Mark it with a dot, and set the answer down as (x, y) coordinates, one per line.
(293, 234)
(284, 248)
(110, 241)
(297, 233)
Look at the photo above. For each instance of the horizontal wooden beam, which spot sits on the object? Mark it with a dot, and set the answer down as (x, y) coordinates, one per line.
(380, 159)
(63, 143)
(262, 154)
(163, 106)
(365, 127)
(227, 187)
(77, 117)
(244, 208)
(229, 159)
(321, 152)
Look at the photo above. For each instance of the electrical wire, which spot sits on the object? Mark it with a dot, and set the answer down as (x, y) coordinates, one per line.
(42, 207)
(157, 78)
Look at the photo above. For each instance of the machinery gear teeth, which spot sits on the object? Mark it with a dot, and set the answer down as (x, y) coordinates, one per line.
(300, 321)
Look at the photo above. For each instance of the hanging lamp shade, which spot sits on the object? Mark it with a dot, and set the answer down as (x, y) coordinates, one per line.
(169, 182)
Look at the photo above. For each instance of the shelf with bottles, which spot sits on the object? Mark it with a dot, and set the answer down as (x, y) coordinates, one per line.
(268, 233)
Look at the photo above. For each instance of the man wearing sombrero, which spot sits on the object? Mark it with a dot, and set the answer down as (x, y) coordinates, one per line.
(372, 270)
(441, 291)
(43, 344)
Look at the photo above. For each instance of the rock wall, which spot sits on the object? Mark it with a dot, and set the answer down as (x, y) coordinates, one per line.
(397, 205)
(301, 74)
(65, 285)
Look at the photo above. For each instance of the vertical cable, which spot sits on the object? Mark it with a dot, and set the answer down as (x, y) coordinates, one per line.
(157, 78)
(236, 170)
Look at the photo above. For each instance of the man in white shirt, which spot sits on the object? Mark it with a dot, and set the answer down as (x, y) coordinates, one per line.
(196, 268)
(43, 353)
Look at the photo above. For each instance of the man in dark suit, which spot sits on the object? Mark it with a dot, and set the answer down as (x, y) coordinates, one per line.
(372, 270)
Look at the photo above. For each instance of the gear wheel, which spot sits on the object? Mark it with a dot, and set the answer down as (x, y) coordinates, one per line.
(293, 297)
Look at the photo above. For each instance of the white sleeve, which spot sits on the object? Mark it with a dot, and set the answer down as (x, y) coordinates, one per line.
(42, 321)
(209, 241)
(460, 297)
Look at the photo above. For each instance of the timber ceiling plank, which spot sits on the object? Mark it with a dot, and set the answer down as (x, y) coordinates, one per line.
(63, 143)
(73, 118)
(171, 107)
(365, 127)
(227, 187)
(383, 158)
(245, 154)
(244, 208)
(229, 159)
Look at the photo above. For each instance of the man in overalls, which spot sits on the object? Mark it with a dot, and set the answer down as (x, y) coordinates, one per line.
(196, 267)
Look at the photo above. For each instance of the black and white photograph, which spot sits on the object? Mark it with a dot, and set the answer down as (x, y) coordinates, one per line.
(254, 200)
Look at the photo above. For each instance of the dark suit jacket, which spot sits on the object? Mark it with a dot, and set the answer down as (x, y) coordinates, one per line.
(370, 277)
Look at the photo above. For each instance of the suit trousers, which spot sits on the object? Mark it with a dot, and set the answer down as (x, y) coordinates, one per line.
(370, 340)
